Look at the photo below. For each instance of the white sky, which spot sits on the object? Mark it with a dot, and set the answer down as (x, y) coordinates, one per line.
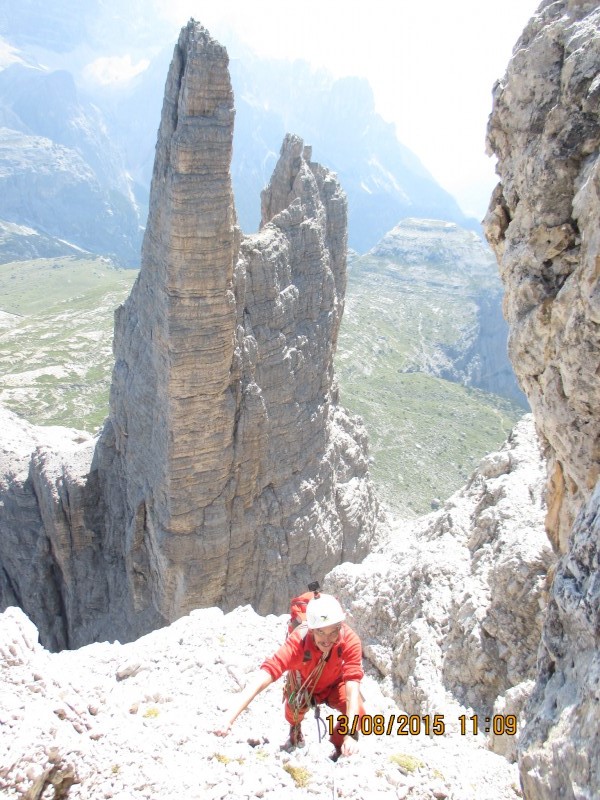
(432, 65)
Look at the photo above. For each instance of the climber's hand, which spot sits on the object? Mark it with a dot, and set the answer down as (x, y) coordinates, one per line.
(349, 746)
(224, 728)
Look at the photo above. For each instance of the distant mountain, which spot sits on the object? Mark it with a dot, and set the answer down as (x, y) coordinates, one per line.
(422, 358)
(383, 179)
(434, 246)
(20, 243)
(445, 278)
(106, 134)
(59, 171)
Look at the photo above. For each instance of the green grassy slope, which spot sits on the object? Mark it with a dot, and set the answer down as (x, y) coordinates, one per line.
(426, 433)
(56, 338)
(396, 319)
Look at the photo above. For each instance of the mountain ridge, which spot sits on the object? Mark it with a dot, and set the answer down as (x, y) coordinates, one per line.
(383, 179)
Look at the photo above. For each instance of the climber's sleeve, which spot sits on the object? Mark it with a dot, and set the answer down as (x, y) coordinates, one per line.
(287, 657)
(352, 657)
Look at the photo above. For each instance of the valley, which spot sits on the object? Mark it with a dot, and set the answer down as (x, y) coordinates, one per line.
(56, 338)
(426, 433)
(414, 362)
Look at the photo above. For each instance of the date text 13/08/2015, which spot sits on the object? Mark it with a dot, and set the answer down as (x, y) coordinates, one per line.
(413, 725)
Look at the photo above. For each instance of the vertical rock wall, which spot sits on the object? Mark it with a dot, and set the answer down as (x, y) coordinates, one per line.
(305, 481)
(173, 396)
(46, 551)
(239, 478)
(543, 224)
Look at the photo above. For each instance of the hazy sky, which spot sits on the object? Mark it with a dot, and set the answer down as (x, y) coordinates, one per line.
(431, 64)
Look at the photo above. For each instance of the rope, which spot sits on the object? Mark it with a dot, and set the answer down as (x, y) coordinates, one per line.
(320, 723)
(300, 699)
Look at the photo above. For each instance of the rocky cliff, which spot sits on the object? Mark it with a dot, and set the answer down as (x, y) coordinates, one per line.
(450, 608)
(227, 472)
(543, 224)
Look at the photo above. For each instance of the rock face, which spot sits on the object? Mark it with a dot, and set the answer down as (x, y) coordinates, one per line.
(450, 611)
(48, 560)
(226, 473)
(543, 224)
(560, 747)
(56, 559)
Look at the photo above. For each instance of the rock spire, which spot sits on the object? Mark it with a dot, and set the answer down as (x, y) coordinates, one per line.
(227, 473)
(235, 458)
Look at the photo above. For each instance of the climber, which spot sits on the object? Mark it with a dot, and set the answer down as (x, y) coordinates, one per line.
(324, 666)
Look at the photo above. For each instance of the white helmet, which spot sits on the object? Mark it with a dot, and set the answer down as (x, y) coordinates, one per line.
(323, 611)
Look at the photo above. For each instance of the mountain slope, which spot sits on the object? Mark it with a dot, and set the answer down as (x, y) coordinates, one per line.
(59, 171)
(20, 242)
(56, 338)
(416, 349)
(441, 285)
(137, 721)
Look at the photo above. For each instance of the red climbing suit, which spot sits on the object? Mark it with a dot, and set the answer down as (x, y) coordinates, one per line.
(300, 654)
